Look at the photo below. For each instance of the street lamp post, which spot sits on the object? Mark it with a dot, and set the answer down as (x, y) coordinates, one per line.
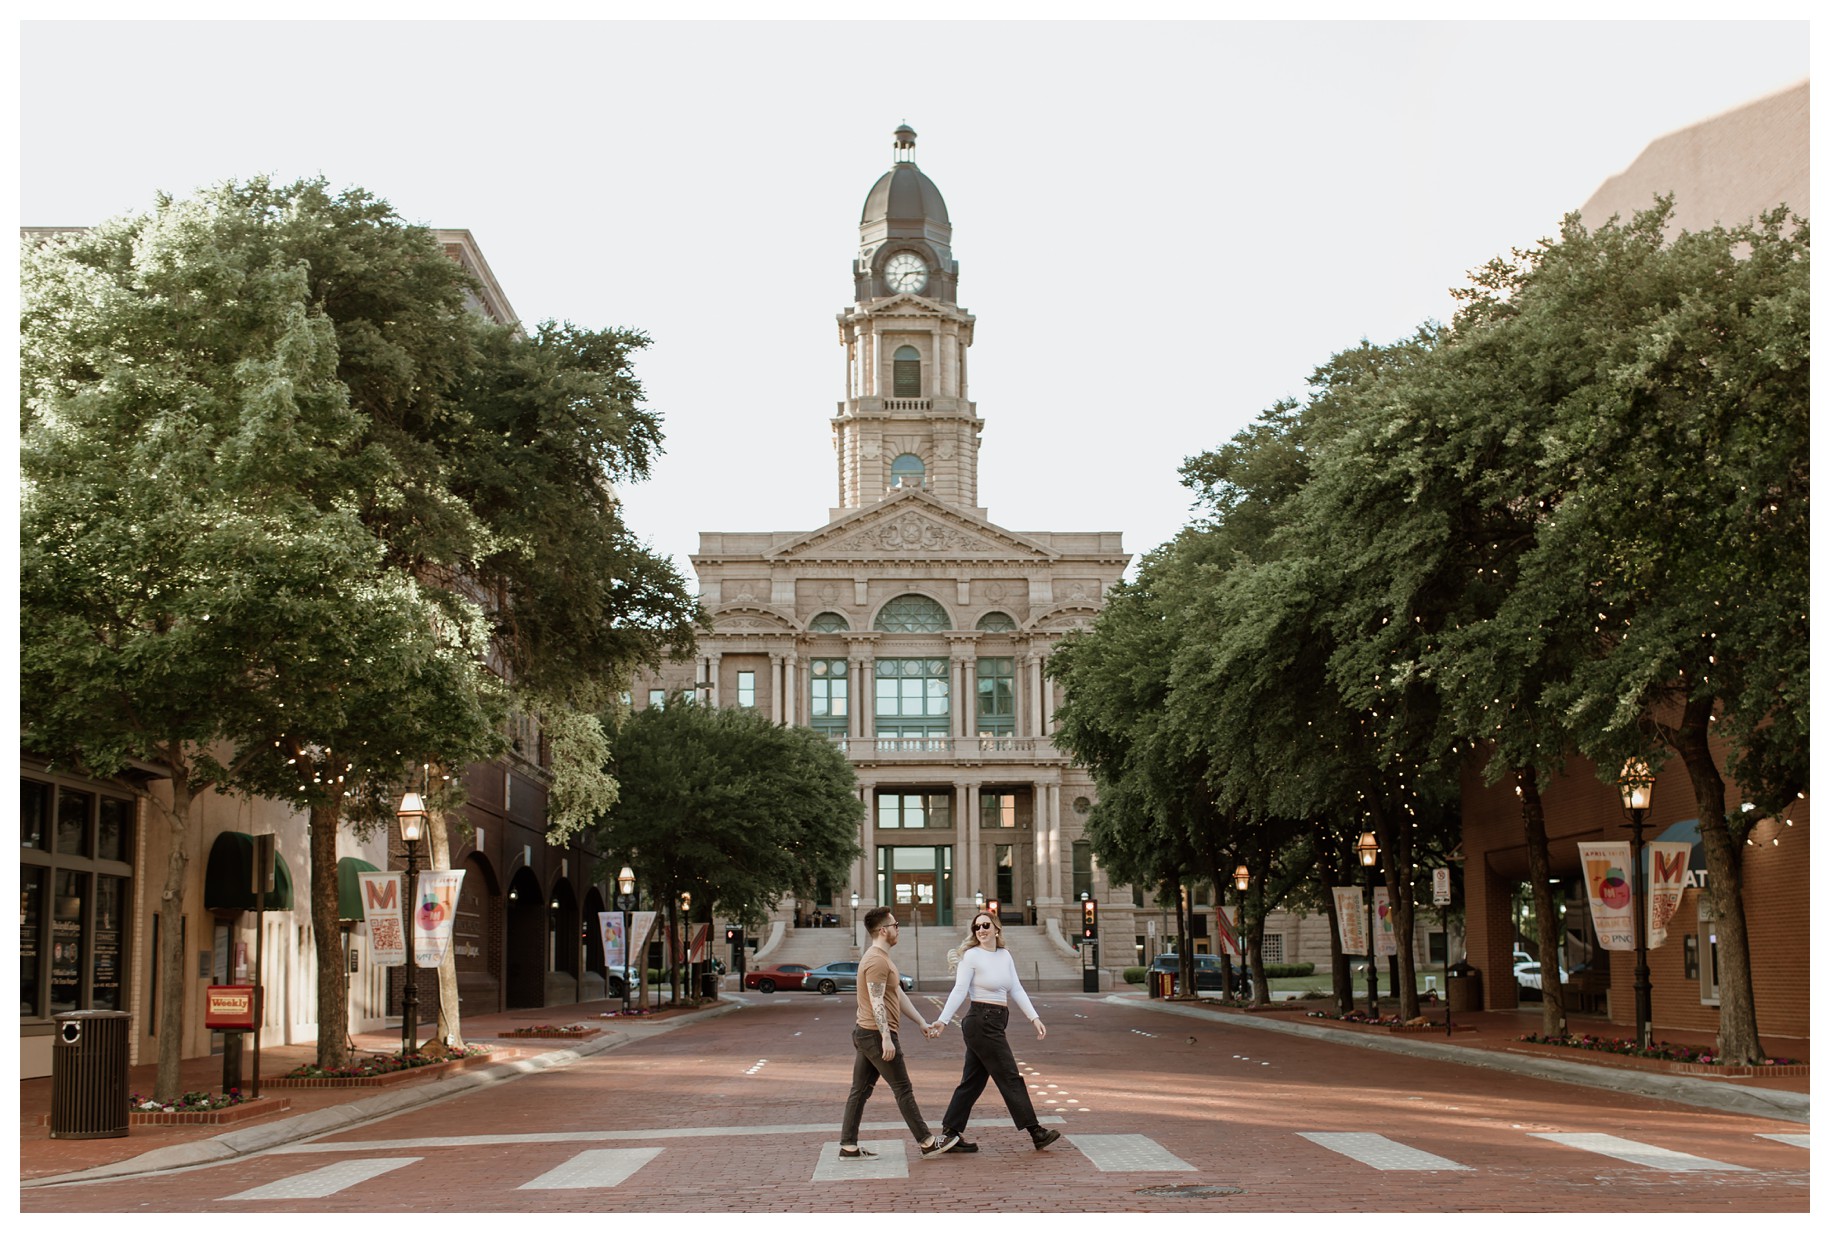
(854, 920)
(412, 817)
(1636, 796)
(686, 920)
(1242, 878)
(1368, 851)
(625, 903)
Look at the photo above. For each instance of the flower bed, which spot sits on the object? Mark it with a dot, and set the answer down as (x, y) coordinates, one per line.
(381, 1068)
(549, 1031)
(1687, 1059)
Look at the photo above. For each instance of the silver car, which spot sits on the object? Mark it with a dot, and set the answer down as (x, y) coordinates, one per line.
(836, 976)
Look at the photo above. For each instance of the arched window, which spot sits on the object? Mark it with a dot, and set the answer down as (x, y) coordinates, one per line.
(828, 623)
(996, 623)
(912, 614)
(907, 471)
(908, 373)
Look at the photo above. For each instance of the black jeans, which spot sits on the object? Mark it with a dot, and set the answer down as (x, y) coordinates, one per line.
(865, 1067)
(988, 1057)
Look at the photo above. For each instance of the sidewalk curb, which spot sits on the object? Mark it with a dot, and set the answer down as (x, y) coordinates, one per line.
(328, 1120)
(1716, 1094)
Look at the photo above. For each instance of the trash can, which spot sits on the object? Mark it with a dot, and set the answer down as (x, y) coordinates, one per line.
(89, 1075)
(1464, 988)
(1089, 980)
(708, 984)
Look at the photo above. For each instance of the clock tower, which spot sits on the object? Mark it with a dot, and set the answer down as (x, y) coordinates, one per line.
(906, 419)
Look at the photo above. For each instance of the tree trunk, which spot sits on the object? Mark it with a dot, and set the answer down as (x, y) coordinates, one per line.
(1537, 854)
(1185, 951)
(170, 1083)
(673, 948)
(1392, 859)
(1253, 912)
(1738, 1039)
(1337, 958)
(333, 987)
(438, 850)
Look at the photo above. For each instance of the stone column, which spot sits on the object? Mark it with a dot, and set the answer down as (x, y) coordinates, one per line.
(775, 687)
(970, 834)
(854, 696)
(971, 704)
(791, 693)
(716, 661)
(867, 704)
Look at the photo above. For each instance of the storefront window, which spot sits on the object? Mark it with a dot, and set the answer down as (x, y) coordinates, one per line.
(76, 853)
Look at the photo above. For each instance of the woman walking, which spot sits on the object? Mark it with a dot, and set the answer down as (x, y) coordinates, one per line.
(988, 979)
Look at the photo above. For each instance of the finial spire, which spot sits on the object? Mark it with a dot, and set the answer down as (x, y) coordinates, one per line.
(905, 143)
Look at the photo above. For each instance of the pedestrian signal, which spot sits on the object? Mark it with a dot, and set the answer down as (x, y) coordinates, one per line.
(1089, 918)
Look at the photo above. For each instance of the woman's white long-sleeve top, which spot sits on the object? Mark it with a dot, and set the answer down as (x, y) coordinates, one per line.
(987, 976)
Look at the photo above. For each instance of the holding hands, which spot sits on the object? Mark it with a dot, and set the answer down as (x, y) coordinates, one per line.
(934, 1029)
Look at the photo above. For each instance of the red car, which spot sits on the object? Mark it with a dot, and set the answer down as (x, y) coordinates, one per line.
(779, 976)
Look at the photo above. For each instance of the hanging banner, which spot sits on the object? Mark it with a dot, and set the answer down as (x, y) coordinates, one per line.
(641, 924)
(1385, 937)
(381, 913)
(1350, 914)
(1668, 865)
(1604, 872)
(610, 926)
(1226, 924)
(434, 913)
(701, 936)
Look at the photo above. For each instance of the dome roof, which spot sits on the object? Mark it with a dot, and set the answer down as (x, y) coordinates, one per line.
(904, 194)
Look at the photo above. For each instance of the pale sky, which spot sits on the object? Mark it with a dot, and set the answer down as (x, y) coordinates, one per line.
(1162, 226)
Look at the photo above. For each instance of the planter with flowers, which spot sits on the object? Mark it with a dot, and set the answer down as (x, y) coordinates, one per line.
(375, 1069)
(550, 1031)
(1681, 1059)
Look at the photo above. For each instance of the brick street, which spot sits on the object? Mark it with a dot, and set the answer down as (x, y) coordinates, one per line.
(739, 1111)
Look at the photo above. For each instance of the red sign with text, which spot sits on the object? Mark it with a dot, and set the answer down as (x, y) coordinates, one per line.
(229, 1007)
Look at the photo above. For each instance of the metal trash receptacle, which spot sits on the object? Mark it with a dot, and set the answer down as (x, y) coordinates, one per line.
(89, 1075)
(1464, 991)
(708, 984)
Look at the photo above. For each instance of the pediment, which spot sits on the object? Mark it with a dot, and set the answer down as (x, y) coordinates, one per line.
(911, 524)
(749, 619)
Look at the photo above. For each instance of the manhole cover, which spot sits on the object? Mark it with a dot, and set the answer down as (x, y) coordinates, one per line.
(1190, 1192)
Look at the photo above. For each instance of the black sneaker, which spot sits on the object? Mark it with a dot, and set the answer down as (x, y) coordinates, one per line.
(962, 1146)
(1042, 1138)
(855, 1153)
(943, 1142)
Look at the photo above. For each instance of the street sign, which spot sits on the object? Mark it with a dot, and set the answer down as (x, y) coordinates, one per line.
(1439, 879)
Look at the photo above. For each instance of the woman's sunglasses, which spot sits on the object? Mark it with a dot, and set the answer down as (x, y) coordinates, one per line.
(983, 927)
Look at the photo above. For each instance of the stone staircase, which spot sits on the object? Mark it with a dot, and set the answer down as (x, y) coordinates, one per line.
(1042, 963)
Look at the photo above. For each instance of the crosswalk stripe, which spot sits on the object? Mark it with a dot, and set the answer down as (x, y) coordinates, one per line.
(1639, 1153)
(1128, 1154)
(1795, 1140)
(322, 1183)
(1380, 1152)
(598, 1168)
(889, 1162)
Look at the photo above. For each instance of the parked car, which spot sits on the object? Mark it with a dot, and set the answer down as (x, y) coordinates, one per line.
(833, 977)
(776, 976)
(1531, 976)
(1207, 972)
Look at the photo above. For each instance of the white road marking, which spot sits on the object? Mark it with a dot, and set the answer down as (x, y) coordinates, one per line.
(599, 1168)
(1640, 1153)
(1803, 1140)
(760, 1063)
(1128, 1154)
(1380, 1152)
(322, 1183)
(889, 1162)
(593, 1136)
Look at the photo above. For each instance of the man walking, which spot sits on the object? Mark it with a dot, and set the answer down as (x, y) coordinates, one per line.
(881, 1003)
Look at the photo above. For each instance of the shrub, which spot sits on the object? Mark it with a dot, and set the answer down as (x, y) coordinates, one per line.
(1288, 969)
(1135, 976)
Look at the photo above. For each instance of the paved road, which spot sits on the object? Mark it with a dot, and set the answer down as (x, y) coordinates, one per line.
(739, 1113)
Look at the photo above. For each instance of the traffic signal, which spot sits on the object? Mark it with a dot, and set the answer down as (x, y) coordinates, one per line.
(734, 935)
(1089, 918)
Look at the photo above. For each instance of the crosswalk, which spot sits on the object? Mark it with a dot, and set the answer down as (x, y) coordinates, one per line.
(605, 1168)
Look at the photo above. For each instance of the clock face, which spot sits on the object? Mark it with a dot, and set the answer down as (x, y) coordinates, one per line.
(905, 272)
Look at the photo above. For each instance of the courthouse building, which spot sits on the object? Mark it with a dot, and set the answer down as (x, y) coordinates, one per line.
(910, 628)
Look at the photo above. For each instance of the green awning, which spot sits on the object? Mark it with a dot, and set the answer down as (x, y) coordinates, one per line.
(349, 887)
(228, 878)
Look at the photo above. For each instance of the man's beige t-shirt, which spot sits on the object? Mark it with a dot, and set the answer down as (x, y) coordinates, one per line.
(877, 968)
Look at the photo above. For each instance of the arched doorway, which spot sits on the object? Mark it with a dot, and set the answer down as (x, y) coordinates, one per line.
(524, 944)
(594, 937)
(564, 947)
(476, 942)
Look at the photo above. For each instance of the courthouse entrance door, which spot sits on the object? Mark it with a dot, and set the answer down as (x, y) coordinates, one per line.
(916, 892)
